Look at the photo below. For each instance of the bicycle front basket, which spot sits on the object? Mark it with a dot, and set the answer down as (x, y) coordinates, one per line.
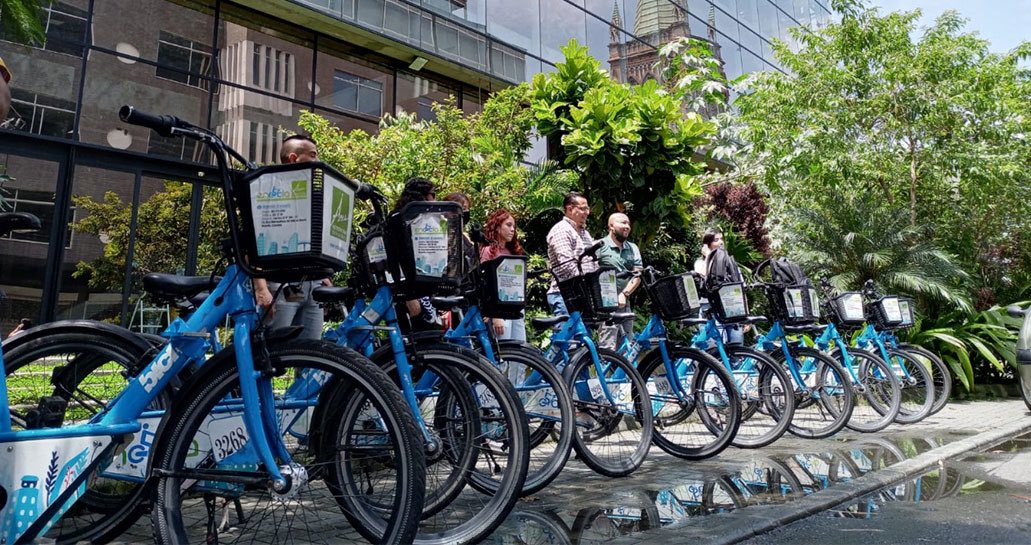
(794, 305)
(295, 218)
(675, 297)
(370, 263)
(591, 293)
(847, 309)
(503, 287)
(886, 312)
(729, 302)
(424, 244)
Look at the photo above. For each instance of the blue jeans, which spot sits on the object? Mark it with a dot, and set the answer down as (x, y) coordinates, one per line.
(300, 309)
(557, 304)
(514, 330)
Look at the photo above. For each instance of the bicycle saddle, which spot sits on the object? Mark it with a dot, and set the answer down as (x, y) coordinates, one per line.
(174, 285)
(18, 221)
(803, 328)
(331, 294)
(548, 322)
(446, 303)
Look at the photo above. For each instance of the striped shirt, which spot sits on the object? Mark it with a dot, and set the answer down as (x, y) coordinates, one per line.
(566, 242)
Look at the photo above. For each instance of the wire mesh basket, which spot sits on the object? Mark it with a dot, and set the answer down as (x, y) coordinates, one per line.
(675, 297)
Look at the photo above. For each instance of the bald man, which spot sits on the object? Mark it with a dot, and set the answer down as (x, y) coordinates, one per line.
(294, 306)
(623, 255)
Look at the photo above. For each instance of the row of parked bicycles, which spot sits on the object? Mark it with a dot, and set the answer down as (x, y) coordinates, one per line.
(373, 435)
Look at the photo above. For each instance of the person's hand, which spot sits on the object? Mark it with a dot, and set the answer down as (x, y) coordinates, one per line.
(499, 326)
(263, 297)
(621, 298)
(327, 282)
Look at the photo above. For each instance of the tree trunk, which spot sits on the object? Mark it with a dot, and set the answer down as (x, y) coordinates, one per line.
(912, 181)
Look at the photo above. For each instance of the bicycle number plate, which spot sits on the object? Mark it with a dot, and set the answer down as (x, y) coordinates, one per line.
(620, 393)
(540, 401)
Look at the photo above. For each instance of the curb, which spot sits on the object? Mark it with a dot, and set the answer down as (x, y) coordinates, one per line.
(735, 527)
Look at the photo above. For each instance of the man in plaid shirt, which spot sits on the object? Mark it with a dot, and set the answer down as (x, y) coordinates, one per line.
(567, 240)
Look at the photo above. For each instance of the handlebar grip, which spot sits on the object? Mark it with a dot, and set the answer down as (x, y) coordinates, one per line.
(161, 124)
(537, 273)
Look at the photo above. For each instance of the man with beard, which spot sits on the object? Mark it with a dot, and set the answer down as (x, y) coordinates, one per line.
(622, 255)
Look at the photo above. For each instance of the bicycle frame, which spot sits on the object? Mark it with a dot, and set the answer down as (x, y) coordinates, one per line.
(574, 330)
(883, 341)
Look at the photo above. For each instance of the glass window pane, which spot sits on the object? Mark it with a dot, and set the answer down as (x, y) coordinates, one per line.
(23, 256)
(516, 24)
(187, 23)
(561, 22)
(376, 81)
(768, 26)
(44, 90)
(417, 94)
(91, 281)
(111, 83)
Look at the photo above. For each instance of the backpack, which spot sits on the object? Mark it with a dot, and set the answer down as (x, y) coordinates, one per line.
(786, 273)
(721, 269)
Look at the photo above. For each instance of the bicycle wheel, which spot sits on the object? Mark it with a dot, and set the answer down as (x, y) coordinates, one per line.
(917, 386)
(497, 436)
(764, 387)
(701, 421)
(549, 411)
(824, 402)
(612, 436)
(66, 373)
(940, 374)
(878, 394)
(451, 457)
(208, 487)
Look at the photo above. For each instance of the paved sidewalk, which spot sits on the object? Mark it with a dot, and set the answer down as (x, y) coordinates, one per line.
(965, 427)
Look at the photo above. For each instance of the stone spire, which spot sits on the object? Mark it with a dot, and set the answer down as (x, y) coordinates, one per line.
(617, 23)
(654, 16)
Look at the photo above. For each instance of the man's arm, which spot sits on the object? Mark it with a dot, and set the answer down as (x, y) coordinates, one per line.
(5, 98)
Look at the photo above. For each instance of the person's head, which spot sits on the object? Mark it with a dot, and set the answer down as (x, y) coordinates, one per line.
(298, 148)
(462, 199)
(416, 189)
(501, 229)
(576, 208)
(712, 239)
(619, 227)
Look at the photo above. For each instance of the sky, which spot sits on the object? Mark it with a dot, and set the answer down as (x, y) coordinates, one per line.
(1004, 23)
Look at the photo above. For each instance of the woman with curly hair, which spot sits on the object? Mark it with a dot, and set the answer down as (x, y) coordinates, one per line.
(500, 230)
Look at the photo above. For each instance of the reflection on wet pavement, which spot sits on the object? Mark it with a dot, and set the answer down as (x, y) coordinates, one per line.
(763, 480)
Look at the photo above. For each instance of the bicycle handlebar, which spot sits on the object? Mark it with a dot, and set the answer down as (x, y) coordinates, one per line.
(161, 124)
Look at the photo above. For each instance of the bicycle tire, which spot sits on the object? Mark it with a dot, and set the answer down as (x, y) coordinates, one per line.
(706, 420)
(917, 388)
(78, 359)
(824, 390)
(448, 466)
(501, 446)
(878, 397)
(549, 412)
(767, 405)
(599, 425)
(186, 444)
(940, 375)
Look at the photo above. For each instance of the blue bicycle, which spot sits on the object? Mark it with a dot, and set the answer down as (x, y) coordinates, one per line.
(243, 449)
(613, 406)
(698, 404)
(472, 420)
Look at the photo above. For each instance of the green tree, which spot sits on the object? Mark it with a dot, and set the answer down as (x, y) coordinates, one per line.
(22, 20)
(478, 154)
(632, 146)
(935, 125)
(155, 251)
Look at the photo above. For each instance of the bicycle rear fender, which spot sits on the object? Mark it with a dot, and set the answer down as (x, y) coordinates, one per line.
(40, 334)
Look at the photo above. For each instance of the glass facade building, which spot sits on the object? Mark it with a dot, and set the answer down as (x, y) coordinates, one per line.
(246, 68)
